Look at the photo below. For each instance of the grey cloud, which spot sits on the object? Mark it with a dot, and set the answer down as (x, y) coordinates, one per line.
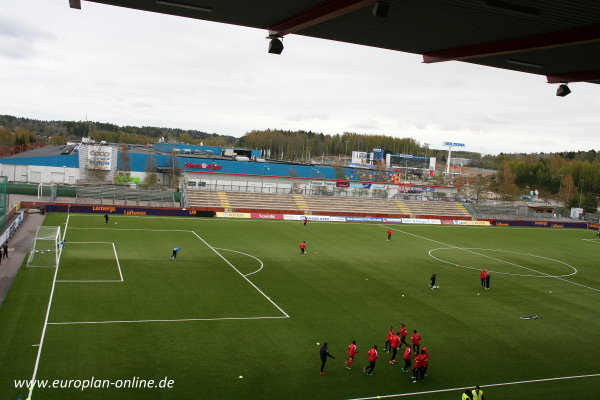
(18, 40)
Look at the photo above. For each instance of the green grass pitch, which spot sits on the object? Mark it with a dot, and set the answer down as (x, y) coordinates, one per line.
(240, 300)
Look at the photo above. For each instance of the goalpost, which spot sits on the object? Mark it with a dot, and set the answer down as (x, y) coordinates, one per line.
(46, 247)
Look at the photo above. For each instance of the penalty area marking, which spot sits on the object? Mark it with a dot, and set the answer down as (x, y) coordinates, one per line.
(560, 378)
(542, 274)
(249, 255)
(163, 320)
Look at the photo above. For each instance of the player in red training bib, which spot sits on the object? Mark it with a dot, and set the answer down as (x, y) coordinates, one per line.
(416, 341)
(351, 352)
(372, 358)
(303, 247)
(388, 340)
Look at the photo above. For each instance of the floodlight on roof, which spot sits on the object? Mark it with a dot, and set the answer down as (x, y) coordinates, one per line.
(563, 90)
(183, 5)
(275, 45)
(381, 8)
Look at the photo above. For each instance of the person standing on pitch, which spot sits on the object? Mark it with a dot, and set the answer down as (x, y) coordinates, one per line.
(487, 280)
(477, 393)
(175, 251)
(482, 276)
(407, 357)
(389, 233)
(324, 353)
(372, 358)
(425, 361)
(303, 247)
(466, 395)
(388, 340)
(351, 353)
(415, 338)
(395, 343)
(433, 278)
(403, 333)
(5, 250)
(106, 217)
(305, 221)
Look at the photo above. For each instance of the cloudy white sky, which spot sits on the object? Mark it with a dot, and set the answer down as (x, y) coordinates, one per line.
(137, 68)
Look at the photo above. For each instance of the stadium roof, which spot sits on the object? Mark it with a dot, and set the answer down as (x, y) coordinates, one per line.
(556, 39)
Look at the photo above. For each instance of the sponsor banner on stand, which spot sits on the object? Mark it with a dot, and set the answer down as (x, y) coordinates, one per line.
(364, 219)
(266, 216)
(447, 222)
(421, 221)
(357, 185)
(378, 186)
(296, 217)
(337, 219)
(233, 215)
(342, 184)
(393, 220)
(460, 222)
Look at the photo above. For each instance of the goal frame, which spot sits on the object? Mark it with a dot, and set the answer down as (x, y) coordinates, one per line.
(47, 240)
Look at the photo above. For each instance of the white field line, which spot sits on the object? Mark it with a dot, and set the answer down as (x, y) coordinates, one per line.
(242, 275)
(389, 396)
(162, 320)
(249, 255)
(493, 258)
(84, 281)
(118, 263)
(592, 240)
(133, 229)
(39, 353)
(508, 273)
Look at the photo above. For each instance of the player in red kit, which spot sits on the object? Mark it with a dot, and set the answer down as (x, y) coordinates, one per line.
(416, 341)
(303, 247)
(403, 333)
(372, 358)
(388, 339)
(395, 343)
(482, 276)
(424, 362)
(417, 367)
(389, 232)
(351, 352)
(407, 357)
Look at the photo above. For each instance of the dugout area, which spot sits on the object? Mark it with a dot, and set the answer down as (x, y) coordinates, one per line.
(473, 339)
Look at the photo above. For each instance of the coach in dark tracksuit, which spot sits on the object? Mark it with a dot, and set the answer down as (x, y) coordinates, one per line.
(324, 353)
(487, 281)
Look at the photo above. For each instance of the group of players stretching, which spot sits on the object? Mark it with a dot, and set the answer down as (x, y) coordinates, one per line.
(393, 343)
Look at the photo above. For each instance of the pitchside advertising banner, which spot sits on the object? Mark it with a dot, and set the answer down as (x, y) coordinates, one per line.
(169, 212)
(100, 157)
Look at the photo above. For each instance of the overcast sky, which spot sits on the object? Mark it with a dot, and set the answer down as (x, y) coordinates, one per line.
(138, 68)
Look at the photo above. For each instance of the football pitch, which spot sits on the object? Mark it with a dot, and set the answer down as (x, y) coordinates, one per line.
(240, 314)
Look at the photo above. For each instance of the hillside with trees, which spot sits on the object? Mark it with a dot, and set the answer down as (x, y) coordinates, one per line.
(572, 178)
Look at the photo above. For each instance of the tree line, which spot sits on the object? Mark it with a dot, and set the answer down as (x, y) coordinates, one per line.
(570, 177)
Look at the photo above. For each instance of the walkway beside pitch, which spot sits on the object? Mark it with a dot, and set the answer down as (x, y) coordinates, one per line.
(20, 244)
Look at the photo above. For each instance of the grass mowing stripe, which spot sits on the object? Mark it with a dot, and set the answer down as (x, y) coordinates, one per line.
(389, 396)
(41, 344)
(242, 275)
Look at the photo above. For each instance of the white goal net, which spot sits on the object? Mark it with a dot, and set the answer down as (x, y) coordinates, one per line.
(46, 247)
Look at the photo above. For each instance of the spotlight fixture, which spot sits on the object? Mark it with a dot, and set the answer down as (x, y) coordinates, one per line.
(563, 90)
(275, 45)
(183, 5)
(381, 8)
